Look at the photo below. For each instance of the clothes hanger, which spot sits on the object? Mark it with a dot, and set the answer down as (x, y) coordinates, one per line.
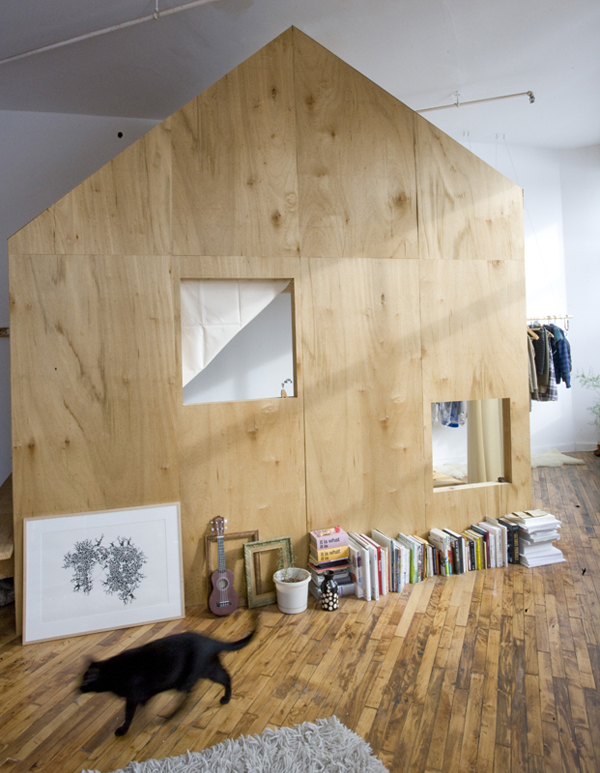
(532, 334)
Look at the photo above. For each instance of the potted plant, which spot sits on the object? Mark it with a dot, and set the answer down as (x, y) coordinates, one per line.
(291, 584)
(593, 382)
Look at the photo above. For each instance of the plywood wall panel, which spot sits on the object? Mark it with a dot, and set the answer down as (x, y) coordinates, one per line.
(473, 329)
(35, 238)
(467, 210)
(235, 188)
(242, 460)
(355, 161)
(362, 386)
(125, 207)
(93, 368)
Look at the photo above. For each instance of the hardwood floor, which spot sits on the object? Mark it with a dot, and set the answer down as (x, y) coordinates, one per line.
(496, 670)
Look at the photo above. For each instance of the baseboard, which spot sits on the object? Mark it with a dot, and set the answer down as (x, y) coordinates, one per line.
(586, 446)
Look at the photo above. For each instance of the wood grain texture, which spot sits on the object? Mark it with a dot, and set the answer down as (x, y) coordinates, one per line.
(235, 188)
(242, 460)
(93, 385)
(125, 207)
(362, 394)
(35, 238)
(467, 210)
(474, 347)
(436, 678)
(356, 170)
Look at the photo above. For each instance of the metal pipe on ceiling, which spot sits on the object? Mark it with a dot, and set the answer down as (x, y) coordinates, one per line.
(156, 16)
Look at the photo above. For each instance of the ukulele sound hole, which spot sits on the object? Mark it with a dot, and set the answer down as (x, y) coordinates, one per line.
(222, 584)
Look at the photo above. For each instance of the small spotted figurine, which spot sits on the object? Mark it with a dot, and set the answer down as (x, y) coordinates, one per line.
(329, 593)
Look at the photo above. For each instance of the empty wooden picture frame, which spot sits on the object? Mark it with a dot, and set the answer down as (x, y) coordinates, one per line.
(260, 591)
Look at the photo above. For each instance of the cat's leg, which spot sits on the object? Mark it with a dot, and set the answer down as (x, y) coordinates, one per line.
(219, 675)
(130, 708)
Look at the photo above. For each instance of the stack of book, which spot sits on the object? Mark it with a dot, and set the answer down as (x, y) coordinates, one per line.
(538, 529)
(328, 551)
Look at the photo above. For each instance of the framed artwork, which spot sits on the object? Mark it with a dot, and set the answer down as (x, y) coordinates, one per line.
(279, 553)
(90, 572)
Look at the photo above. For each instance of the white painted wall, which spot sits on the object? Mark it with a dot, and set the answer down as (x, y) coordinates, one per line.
(580, 183)
(42, 157)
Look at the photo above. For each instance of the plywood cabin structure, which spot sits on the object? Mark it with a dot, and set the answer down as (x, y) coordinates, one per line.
(406, 256)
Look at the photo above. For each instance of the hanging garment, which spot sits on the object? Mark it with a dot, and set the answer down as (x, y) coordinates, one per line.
(561, 354)
(452, 414)
(550, 394)
(540, 347)
(533, 379)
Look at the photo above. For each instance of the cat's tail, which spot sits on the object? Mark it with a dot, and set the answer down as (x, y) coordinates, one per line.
(230, 646)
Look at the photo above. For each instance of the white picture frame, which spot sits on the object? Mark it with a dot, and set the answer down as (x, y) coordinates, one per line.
(90, 572)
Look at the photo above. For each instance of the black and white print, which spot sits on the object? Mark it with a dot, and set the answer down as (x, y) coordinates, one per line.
(121, 562)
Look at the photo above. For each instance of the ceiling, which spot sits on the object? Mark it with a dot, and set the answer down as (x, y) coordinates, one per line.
(423, 52)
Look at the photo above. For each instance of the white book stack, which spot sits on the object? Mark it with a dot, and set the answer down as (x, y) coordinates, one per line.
(537, 531)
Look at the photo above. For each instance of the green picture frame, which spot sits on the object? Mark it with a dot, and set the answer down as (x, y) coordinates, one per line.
(254, 581)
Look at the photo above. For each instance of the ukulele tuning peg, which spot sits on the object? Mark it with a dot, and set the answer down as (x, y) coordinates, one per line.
(225, 520)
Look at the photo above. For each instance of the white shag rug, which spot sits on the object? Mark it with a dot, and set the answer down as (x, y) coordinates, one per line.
(325, 746)
(553, 458)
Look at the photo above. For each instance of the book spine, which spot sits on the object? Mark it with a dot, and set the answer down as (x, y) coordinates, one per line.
(330, 541)
(330, 554)
(513, 541)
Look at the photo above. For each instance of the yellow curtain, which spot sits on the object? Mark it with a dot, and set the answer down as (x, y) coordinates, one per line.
(485, 441)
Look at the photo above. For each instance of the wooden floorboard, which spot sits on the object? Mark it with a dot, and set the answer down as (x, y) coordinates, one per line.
(495, 671)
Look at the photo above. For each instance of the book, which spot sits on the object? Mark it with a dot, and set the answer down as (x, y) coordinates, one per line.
(329, 554)
(381, 565)
(513, 539)
(341, 577)
(403, 564)
(374, 565)
(550, 556)
(441, 540)
(491, 538)
(458, 547)
(324, 539)
(411, 547)
(356, 569)
(479, 547)
(328, 566)
(485, 544)
(471, 543)
(365, 564)
(502, 535)
(385, 543)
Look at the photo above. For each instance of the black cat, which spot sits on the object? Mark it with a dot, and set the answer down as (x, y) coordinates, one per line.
(173, 663)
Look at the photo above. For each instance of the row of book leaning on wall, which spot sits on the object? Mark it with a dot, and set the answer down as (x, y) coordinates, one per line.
(371, 565)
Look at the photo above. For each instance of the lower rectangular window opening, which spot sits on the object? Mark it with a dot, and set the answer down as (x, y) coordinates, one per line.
(470, 442)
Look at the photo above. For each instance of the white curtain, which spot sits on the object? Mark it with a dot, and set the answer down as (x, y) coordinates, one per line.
(213, 311)
(485, 441)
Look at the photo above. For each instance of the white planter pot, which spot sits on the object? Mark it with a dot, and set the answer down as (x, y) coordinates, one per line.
(292, 597)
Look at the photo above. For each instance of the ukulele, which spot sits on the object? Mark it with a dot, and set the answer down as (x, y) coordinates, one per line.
(223, 599)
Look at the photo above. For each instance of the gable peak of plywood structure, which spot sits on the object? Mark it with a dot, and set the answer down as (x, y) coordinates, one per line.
(292, 153)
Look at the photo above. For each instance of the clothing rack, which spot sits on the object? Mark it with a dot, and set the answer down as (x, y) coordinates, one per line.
(551, 316)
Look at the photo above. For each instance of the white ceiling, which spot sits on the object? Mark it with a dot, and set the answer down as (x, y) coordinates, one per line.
(421, 51)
